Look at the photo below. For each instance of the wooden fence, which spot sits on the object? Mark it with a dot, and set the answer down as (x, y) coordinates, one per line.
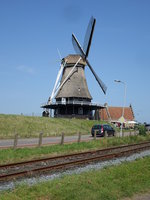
(79, 138)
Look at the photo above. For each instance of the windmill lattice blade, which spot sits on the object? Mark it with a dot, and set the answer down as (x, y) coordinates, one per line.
(100, 82)
(88, 36)
(56, 82)
(59, 54)
(77, 46)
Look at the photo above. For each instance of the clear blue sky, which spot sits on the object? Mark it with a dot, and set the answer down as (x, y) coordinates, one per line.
(32, 30)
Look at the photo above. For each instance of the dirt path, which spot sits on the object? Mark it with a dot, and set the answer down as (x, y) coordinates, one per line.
(140, 197)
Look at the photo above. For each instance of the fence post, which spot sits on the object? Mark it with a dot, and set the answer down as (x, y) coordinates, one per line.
(123, 134)
(40, 139)
(79, 137)
(135, 132)
(105, 134)
(15, 141)
(62, 139)
(94, 134)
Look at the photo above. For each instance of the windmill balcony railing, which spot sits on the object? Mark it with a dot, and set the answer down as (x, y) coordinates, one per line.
(76, 102)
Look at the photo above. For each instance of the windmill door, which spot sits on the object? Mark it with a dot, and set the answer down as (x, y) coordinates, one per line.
(80, 111)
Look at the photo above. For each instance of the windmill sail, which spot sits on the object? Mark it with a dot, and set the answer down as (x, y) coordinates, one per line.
(77, 47)
(84, 52)
(100, 82)
(56, 83)
(88, 36)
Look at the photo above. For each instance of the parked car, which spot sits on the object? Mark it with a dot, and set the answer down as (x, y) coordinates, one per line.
(101, 129)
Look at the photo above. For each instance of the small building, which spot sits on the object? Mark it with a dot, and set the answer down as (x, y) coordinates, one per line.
(113, 115)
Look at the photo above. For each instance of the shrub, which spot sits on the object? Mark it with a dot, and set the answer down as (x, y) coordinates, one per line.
(142, 130)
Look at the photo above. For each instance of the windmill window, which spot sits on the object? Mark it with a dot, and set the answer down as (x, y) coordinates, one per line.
(79, 89)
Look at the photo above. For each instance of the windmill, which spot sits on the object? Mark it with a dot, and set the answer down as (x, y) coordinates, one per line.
(70, 92)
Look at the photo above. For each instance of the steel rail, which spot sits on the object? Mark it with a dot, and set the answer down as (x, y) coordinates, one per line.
(74, 163)
(70, 155)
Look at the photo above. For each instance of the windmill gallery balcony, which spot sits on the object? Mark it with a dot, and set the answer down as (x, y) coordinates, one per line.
(73, 108)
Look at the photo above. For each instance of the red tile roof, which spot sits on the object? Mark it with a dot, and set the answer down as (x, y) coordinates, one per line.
(114, 113)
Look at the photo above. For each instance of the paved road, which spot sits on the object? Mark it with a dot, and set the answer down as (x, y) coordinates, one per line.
(45, 141)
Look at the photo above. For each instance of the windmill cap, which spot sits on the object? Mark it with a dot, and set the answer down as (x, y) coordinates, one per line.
(73, 58)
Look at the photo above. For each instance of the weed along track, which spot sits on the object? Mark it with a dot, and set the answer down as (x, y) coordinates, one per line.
(62, 163)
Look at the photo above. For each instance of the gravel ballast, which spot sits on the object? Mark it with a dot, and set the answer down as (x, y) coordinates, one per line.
(97, 166)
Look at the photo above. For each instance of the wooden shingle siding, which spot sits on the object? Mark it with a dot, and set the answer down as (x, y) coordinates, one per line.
(75, 85)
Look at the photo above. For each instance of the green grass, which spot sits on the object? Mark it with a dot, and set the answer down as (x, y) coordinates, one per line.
(16, 155)
(112, 183)
(27, 126)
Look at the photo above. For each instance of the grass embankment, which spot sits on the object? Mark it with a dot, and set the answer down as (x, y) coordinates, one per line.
(16, 155)
(111, 183)
(27, 126)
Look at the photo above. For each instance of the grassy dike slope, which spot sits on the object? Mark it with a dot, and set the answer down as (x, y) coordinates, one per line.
(27, 126)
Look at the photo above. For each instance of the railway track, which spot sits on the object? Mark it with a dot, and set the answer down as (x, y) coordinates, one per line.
(61, 163)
